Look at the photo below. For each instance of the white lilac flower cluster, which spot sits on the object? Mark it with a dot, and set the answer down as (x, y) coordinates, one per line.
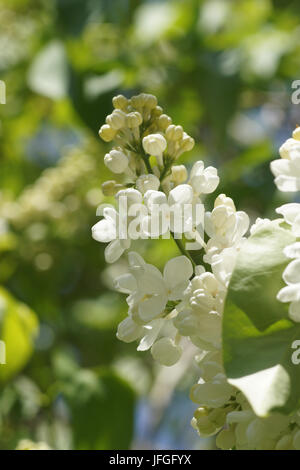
(287, 178)
(147, 146)
(186, 301)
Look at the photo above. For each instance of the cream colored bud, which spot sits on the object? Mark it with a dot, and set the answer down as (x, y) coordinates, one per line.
(150, 101)
(138, 101)
(110, 188)
(120, 102)
(179, 174)
(174, 132)
(187, 143)
(116, 161)
(107, 133)
(134, 119)
(296, 133)
(202, 423)
(164, 121)
(157, 111)
(223, 200)
(117, 119)
(154, 144)
(147, 182)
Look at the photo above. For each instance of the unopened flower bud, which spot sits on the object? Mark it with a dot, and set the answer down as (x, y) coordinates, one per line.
(202, 423)
(138, 101)
(174, 132)
(116, 161)
(134, 119)
(107, 133)
(157, 111)
(223, 200)
(147, 182)
(116, 120)
(187, 143)
(179, 174)
(296, 133)
(120, 102)
(164, 121)
(110, 188)
(154, 144)
(150, 101)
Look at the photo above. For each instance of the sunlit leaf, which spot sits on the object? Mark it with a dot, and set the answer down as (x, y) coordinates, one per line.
(257, 334)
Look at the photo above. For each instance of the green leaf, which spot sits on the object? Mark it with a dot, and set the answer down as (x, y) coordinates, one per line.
(102, 406)
(18, 329)
(257, 333)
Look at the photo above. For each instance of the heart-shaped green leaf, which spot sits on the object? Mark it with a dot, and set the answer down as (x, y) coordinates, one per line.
(257, 333)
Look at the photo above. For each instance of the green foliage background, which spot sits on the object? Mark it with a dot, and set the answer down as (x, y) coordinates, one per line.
(223, 69)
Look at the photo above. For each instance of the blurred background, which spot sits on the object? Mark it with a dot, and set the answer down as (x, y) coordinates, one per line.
(223, 69)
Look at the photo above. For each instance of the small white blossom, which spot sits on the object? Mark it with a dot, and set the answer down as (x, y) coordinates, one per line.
(225, 226)
(150, 290)
(203, 180)
(169, 213)
(166, 352)
(179, 174)
(107, 133)
(146, 183)
(117, 119)
(116, 161)
(291, 214)
(108, 229)
(154, 144)
(287, 169)
(291, 276)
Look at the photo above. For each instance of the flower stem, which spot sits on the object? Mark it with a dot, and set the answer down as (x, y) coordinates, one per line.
(183, 250)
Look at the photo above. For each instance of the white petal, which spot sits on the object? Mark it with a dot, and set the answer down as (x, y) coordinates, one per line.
(129, 331)
(152, 197)
(292, 251)
(110, 214)
(205, 181)
(294, 311)
(211, 394)
(152, 307)
(104, 231)
(287, 183)
(291, 273)
(289, 293)
(197, 168)
(242, 225)
(152, 330)
(166, 352)
(280, 167)
(182, 194)
(113, 251)
(149, 279)
(177, 271)
(210, 326)
(125, 283)
(296, 226)
(133, 196)
(289, 211)
(134, 259)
